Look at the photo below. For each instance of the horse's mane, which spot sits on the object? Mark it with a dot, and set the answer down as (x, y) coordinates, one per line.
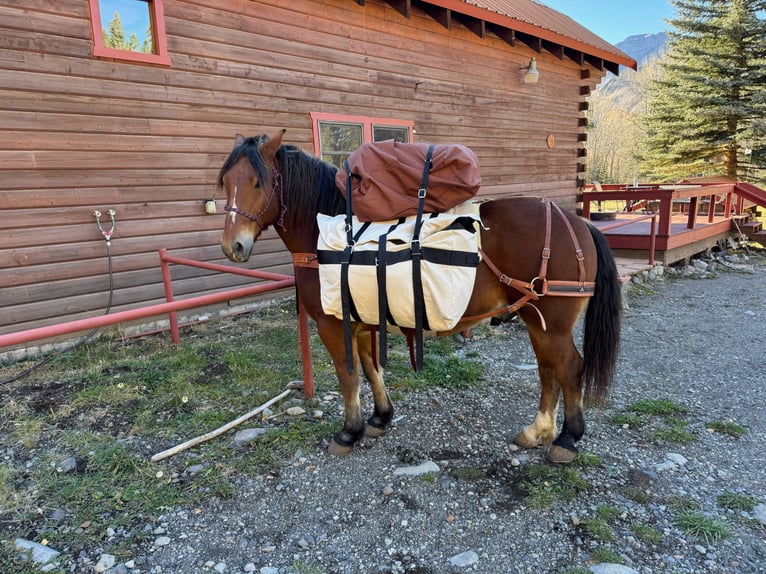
(308, 182)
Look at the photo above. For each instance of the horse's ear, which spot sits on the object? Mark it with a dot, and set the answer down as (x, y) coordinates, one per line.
(270, 147)
(238, 139)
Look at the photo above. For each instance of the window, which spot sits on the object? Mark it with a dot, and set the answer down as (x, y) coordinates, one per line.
(336, 136)
(132, 30)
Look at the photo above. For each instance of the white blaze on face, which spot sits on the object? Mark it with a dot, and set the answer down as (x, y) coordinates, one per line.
(232, 213)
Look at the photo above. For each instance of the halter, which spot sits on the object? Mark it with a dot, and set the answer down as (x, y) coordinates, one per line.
(276, 190)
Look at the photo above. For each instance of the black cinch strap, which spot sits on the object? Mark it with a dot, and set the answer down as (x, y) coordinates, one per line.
(345, 294)
(421, 321)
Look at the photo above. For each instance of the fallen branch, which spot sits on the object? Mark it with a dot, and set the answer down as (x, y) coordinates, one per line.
(212, 434)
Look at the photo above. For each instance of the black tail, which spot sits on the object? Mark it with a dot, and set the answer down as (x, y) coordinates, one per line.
(603, 318)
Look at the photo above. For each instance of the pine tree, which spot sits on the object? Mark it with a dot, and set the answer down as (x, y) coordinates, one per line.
(115, 38)
(708, 107)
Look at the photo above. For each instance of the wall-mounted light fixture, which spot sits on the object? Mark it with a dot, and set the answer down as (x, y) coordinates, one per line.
(531, 75)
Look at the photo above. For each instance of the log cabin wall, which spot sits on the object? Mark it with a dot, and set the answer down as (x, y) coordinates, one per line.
(82, 133)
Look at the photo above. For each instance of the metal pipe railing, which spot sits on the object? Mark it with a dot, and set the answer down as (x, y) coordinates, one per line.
(276, 281)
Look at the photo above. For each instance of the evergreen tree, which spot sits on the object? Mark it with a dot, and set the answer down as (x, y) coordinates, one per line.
(708, 107)
(115, 38)
(148, 46)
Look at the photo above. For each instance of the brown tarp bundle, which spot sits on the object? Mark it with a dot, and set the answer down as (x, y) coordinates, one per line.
(386, 177)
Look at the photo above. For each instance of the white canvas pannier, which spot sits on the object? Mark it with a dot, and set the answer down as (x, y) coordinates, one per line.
(380, 262)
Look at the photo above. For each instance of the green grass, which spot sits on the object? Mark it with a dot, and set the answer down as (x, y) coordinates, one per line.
(672, 430)
(441, 366)
(736, 501)
(703, 527)
(727, 427)
(631, 420)
(656, 407)
(647, 533)
(598, 529)
(606, 555)
(544, 484)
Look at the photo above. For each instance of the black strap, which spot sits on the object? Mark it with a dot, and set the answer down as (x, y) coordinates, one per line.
(345, 293)
(421, 321)
(382, 268)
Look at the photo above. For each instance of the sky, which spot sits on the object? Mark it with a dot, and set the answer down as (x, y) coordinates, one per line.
(615, 20)
(134, 16)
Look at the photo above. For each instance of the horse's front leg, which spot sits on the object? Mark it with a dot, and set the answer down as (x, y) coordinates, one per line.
(331, 332)
(384, 410)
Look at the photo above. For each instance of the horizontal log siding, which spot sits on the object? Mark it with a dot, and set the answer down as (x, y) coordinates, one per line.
(82, 134)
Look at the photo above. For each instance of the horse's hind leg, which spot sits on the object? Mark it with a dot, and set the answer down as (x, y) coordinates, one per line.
(560, 368)
(384, 410)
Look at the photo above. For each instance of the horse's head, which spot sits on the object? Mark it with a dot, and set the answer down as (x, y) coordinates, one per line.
(253, 195)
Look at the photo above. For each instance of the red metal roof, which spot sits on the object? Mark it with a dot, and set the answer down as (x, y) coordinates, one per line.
(540, 27)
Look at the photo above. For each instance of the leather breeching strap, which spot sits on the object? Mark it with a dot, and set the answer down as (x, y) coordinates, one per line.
(529, 293)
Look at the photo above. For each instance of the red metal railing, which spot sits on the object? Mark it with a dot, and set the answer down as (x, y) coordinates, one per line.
(652, 231)
(275, 281)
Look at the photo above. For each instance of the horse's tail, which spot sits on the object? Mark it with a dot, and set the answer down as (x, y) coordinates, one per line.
(601, 339)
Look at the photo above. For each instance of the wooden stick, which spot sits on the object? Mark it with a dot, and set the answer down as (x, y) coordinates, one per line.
(212, 434)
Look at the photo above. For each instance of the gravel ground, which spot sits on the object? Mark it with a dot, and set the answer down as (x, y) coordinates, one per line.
(697, 342)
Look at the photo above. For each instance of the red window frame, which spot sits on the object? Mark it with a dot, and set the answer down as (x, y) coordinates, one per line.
(157, 18)
(367, 123)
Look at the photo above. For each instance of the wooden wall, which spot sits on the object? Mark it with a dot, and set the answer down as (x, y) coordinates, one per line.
(81, 134)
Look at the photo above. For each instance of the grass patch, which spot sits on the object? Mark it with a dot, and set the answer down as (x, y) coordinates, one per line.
(647, 533)
(656, 407)
(630, 420)
(701, 526)
(727, 427)
(672, 430)
(544, 485)
(599, 529)
(736, 501)
(607, 555)
(586, 459)
(442, 368)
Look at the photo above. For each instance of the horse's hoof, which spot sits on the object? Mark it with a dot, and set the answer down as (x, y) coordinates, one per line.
(371, 431)
(524, 440)
(560, 455)
(339, 450)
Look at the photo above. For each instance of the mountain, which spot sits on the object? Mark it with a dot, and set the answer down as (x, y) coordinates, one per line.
(643, 46)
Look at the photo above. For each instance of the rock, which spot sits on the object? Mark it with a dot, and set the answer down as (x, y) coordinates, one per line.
(162, 541)
(667, 465)
(195, 469)
(67, 465)
(269, 570)
(104, 563)
(679, 459)
(295, 411)
(607, 568)
(427, 467)
(221, 568)
(248, 435)
(40, 554)
(759, 512)
(464, 559)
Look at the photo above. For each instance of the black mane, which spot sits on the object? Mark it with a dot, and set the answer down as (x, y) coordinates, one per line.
(308, 182)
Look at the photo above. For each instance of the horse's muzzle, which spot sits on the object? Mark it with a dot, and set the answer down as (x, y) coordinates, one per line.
(237, 250)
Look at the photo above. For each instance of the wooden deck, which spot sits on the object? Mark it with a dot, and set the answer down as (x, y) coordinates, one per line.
(675, 220)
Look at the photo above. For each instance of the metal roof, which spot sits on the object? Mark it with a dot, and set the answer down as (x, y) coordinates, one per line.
(528, 21)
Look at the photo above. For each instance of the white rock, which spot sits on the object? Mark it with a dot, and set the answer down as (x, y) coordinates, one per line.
(679, 459)
(667, 465)
(248, 435)
(295, 411)
(104, 563)
(759, 512)
(427, 467)
(162, 541)
(40, 554)
(464, 559)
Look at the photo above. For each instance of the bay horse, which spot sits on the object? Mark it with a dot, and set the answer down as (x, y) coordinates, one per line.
(524, 241)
